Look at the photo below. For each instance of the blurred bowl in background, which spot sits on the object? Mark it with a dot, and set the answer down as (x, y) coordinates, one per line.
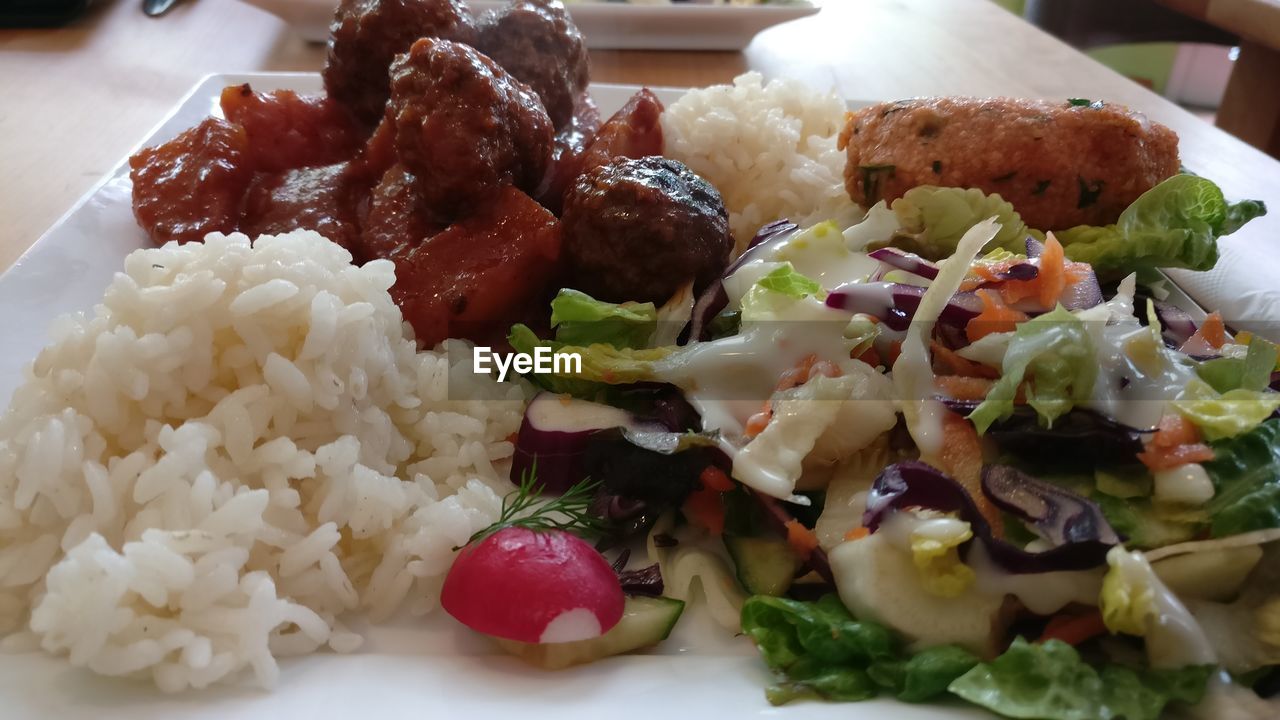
(606, 25)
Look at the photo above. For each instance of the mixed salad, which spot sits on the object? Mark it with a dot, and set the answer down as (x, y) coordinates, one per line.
(936, 454)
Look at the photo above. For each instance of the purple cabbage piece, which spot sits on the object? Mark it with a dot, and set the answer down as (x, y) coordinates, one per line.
(646, 581)
(1059, 515)
(714, 299)
(896, 303)
(777, 516)
(916, 484)
(1083, 294)
(1021, 271)
(905, 261)
(1176, 324)
(1081, 434)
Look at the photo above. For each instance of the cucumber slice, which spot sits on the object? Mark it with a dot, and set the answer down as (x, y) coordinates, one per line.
(645, 621)
(766, 565)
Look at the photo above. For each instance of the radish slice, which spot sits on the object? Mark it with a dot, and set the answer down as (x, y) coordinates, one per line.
(533, 587)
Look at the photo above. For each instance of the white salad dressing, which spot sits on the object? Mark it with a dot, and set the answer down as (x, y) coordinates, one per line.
(1129, 391)
(912, 372)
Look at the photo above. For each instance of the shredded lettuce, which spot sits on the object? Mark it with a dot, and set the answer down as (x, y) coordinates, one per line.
(1225, 415)
(817, 649)
(602, 364)
(933, 219)
(1128, 599)
(1054, 351)
(1251, 372)
(1246, 476)
(1174, 224)
(580, 319)
(776, 291)
(935, 550)
(1050, 681)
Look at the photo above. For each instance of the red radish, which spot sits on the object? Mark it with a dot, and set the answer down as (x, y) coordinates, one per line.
(533, 586)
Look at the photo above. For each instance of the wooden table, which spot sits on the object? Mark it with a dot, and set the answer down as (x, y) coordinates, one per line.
(1250, 108)
(76, 100)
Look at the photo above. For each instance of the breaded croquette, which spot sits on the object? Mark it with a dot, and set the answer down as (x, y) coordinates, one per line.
(1061, 164)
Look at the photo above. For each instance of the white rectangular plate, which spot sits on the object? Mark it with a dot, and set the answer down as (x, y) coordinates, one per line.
(411, 668)
(610, 25)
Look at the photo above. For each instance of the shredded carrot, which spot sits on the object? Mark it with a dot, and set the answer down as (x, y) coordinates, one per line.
(869, 356)
(757, 423)
(1074, 629)
(797, 375)
(961, 458)
(995, 317)
(892, 353)
(713, 478)
(800, 538)
(1156, 458)
(947, 362)
(1212, 332)
(706, 509)
(857, 533)
(1053, 276)
(513, 437)
(959, 387)
(1174, 430)
(824, 368)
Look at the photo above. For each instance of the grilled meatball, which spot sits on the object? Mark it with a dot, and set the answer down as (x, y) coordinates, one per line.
(640, 229)
(464, 127)
(536, 41)
(365, 37)
(1060, 164)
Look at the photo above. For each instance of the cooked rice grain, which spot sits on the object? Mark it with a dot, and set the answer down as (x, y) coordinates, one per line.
(238, 446)
(770, 149)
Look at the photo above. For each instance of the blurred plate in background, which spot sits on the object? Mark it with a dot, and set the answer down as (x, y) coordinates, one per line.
(605, 25)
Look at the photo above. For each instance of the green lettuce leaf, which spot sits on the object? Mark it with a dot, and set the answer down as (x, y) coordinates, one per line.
(933, 219)
(580, 319)
(925, 675)
(1224, 415)
(1251, 372)
(1050, 681)
(1246, 477)
(1056, 353)
(602, 365)
(772, 295)
(818, 649)
(1137, 520)
(1174, 224)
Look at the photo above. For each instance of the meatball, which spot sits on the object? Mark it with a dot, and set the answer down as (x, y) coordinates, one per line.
(640, 229)
(536, 41)
(365, 37)
(465, 128)
(1059, 164)
(192, 185)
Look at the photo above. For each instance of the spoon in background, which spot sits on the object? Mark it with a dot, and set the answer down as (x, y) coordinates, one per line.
(156, 8)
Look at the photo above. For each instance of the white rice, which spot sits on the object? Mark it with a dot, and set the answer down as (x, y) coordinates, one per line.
(235, 449)
(770, 149)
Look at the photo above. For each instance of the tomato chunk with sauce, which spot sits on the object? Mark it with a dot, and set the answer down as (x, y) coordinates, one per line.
(635, 131)
(287, 130)
(475, 276)
(192, 185)
(322, 199)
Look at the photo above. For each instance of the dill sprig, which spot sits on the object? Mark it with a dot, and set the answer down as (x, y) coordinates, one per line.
(527, 508)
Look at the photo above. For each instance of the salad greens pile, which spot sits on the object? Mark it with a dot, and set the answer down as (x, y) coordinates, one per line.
(1072, 504)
